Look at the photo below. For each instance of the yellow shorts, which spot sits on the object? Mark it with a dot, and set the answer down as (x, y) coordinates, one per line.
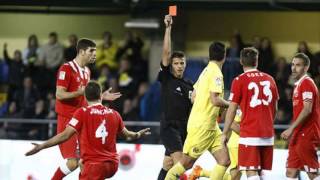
(200, 140)
(233, 154)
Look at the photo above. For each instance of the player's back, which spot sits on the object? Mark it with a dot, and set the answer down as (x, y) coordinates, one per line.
(203, 113)
(258, 96)
(99, 129)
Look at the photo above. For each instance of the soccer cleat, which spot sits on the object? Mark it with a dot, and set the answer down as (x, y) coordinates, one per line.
(195, 174)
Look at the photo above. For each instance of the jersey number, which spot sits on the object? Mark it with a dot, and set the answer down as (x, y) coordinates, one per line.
(101, 132)
(255, 101)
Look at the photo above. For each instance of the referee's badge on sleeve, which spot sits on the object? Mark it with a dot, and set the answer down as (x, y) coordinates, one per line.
(62, 75)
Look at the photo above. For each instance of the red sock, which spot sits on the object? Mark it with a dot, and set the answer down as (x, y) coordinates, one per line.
(58, 175)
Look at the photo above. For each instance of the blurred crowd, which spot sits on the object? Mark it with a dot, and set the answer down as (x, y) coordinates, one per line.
(28, 79)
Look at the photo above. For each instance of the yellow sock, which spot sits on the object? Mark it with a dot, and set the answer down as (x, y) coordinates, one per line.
(175, 172)
(218, 172)
(205, 173)
(227, 176)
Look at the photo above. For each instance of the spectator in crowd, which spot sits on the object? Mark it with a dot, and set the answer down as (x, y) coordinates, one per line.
(266, 56)
(104, 77)
(16, 71)
(50, 105)
(132, 49)
(107, 52)
(282, 71)
(71, 52)
(30, 56)
(236, 45)
(256, 43)
(51, 57)
(127, 80)
(31, 52)
(26, 98)
(304, 48)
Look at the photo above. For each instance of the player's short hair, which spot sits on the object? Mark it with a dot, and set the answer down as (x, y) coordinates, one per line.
(84, 44)
(249, 56)
(93, 91)
(177, 54)
(303, 57)
(217, 51)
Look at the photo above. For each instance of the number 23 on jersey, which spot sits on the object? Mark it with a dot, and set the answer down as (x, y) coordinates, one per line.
(255, 101)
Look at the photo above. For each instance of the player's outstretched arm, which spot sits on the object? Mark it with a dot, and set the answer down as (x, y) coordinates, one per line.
(130, 135)
(166, 51)
(306, 111)
(231, 113)
(109, 96)
(58, 139)
(62, 94)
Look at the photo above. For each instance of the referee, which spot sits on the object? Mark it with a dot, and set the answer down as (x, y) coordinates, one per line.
(176, 98)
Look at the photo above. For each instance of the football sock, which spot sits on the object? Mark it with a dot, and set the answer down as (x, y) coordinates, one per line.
(61, 172)
(205, 173)
(175, 172)
(227, 176)
(218, 172)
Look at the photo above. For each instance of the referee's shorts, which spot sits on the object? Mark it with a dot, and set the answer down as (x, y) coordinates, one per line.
(172, 137)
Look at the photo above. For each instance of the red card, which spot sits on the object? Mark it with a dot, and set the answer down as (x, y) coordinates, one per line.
(172, 10)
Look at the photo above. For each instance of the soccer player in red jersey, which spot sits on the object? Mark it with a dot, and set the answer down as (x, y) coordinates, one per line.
(72, 77)
(97, 127)
(304, 132)
(256, 93)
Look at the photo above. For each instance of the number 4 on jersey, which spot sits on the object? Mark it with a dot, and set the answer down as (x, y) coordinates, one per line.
(101, 132)
(255, 101)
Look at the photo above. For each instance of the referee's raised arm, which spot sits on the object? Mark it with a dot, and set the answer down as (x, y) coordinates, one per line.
(166, 51)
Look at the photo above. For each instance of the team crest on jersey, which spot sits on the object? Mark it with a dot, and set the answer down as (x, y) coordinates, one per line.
(62, 75)
(218, 81)
(195, 150)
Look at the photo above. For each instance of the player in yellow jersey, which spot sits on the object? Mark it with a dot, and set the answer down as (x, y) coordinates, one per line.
(203, 130)
(232, 172)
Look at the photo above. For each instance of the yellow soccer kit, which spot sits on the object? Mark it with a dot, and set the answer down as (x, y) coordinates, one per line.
(233, 143)
(203, 130)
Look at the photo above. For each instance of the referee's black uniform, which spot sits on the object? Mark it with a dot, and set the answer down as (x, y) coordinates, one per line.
(176, 105)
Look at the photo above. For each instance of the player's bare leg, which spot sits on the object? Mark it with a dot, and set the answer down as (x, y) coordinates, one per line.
(292, 173)
(235, 174)
(253, 175)
(314, 176)
(223, 161)
(176, 156)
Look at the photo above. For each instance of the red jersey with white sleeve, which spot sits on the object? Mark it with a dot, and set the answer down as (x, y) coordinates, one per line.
(257, 94)
(97, 127)
(72, 77)
(306, 90)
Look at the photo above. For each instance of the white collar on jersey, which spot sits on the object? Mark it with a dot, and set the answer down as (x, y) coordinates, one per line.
(75, 62)
(251, 70)
(95, 104)
(298, 82)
